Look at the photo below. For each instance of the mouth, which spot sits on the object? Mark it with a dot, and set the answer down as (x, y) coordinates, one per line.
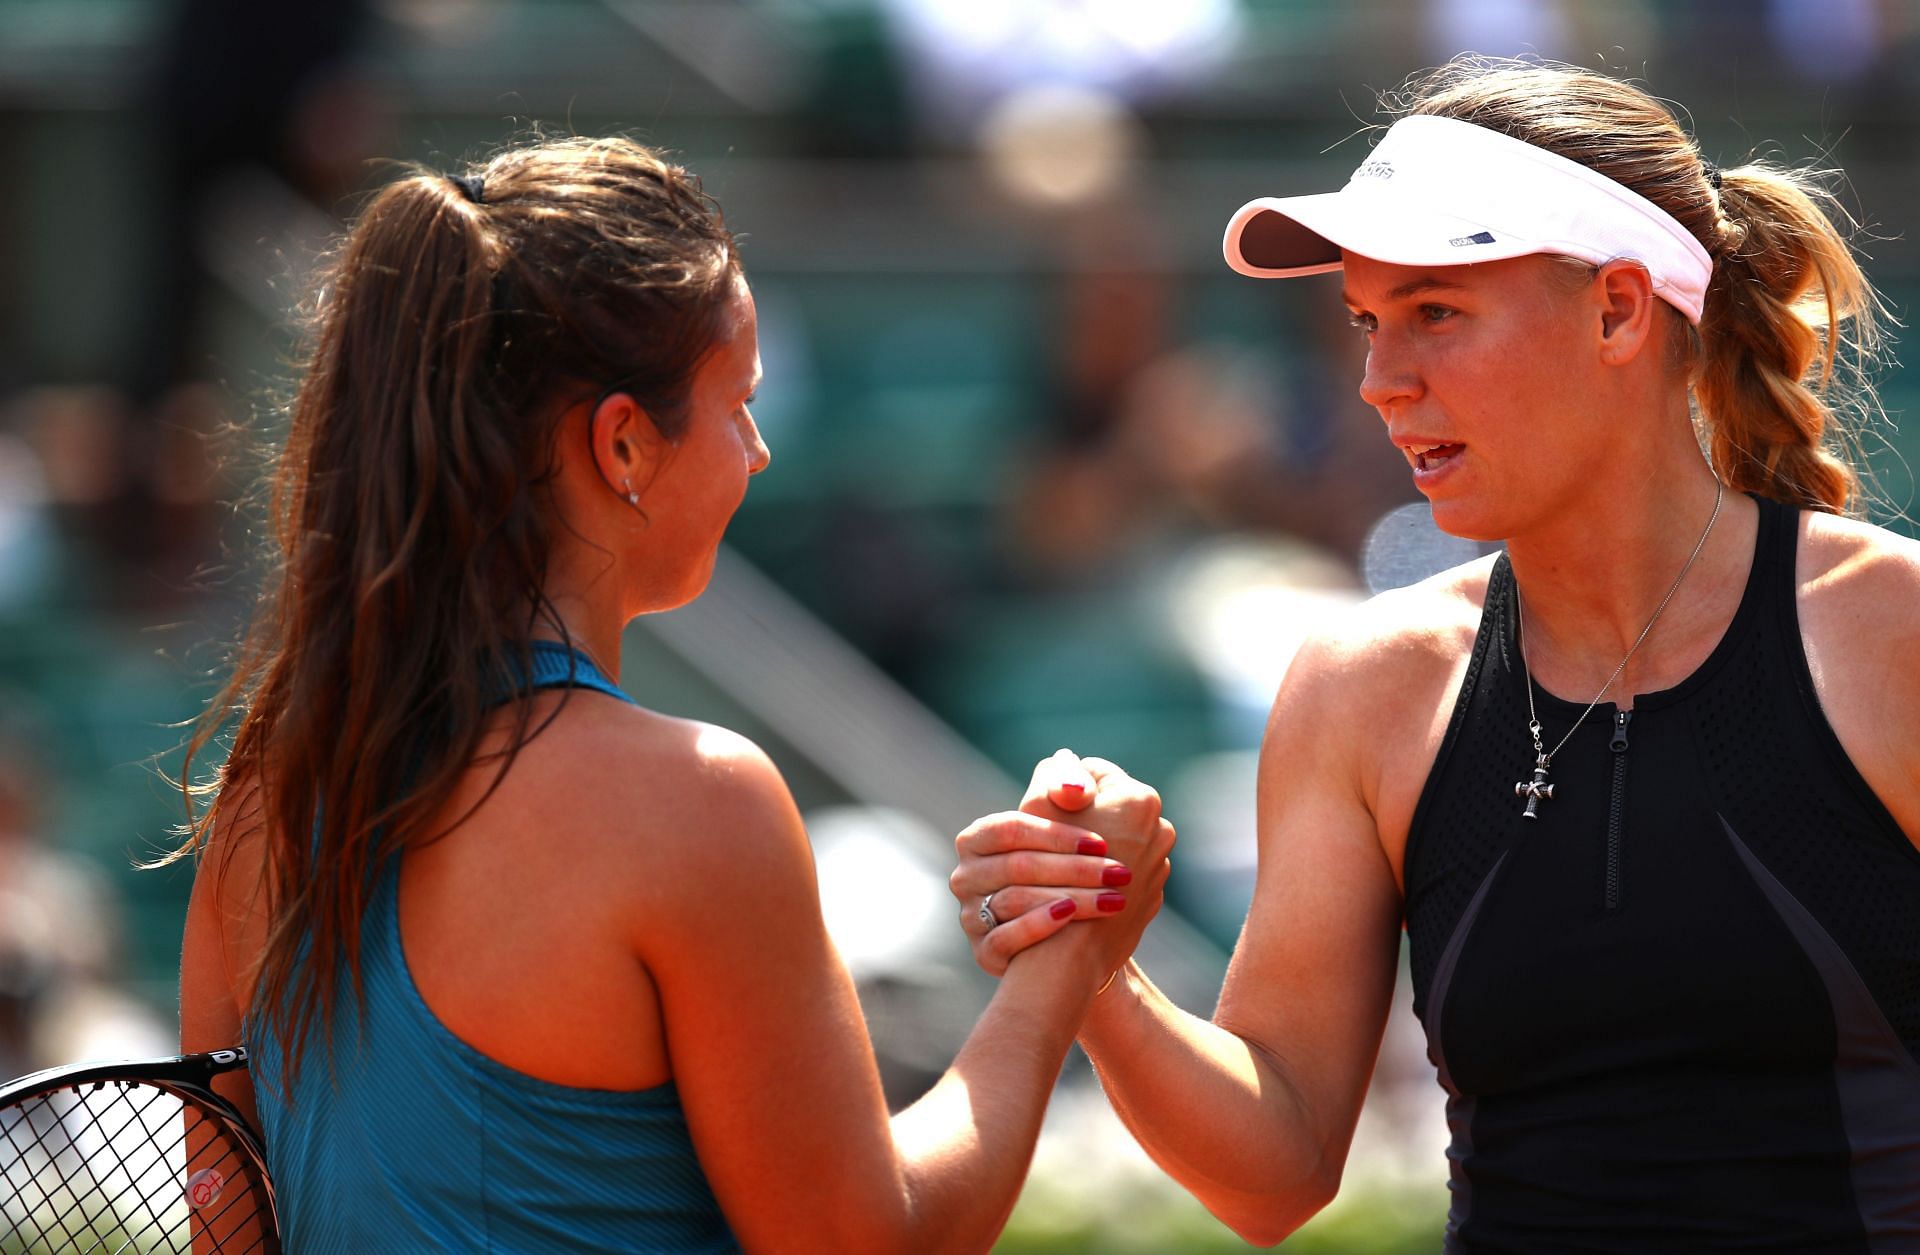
(1426, 456)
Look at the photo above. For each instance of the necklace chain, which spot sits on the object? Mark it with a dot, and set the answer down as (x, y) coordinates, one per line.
(1533, 718)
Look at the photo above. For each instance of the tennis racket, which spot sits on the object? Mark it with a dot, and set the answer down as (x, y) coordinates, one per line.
(138, 1156)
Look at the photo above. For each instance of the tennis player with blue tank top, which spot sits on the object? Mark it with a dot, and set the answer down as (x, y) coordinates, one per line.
(529, 967)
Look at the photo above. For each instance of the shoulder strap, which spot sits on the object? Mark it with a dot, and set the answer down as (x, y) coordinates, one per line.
(1492, 639)
(1774, 552)
(556, 666)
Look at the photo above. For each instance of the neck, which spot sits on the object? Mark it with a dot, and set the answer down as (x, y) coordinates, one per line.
(1593, 576)
(584, 605)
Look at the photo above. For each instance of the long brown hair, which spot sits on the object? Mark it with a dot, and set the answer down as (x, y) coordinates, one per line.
(1788, 340)
(453, 325)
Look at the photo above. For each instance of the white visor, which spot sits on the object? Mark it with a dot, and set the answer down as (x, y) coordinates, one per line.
(1441, 192)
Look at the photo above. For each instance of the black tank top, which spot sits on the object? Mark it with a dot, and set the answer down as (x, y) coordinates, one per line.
(1680, 1010)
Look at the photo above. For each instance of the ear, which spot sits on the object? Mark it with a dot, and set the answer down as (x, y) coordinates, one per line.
(1623, 291)
(627, 448)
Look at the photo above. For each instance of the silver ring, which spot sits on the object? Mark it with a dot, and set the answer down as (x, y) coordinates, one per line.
(987, 916)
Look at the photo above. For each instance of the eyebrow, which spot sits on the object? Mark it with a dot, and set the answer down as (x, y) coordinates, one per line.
(1425, 283)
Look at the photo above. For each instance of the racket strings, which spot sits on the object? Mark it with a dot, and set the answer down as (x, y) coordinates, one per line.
(68, 1158)
(109, 1200)
(106, 1168)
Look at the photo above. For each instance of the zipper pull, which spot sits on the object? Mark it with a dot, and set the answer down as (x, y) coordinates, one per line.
(1619, 743)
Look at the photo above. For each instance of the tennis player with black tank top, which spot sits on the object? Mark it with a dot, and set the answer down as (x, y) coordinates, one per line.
(1742, 915)
(1644, 789)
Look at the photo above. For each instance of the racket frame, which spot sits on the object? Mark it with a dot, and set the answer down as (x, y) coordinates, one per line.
(187, 1077)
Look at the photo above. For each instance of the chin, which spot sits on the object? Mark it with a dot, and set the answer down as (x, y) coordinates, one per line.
(1466, 520)
(663, 596)
(695, 583)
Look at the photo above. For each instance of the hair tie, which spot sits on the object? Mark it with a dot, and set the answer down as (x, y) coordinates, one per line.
(1712, 172)
(472, 186)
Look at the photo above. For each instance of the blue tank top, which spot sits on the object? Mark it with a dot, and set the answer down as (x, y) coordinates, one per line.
(408, 1139)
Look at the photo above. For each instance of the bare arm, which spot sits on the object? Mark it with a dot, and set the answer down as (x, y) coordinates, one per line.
(221, 920)
(773, 1063)
(1254, 1111)
(210, 1019)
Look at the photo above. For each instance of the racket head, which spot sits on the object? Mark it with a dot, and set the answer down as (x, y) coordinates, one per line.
(140, 1155)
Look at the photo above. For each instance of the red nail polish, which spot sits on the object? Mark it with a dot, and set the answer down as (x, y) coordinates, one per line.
(1091, 845)
(1072, 791)
(1117, 875)
(1111, 902)
(1065, 907)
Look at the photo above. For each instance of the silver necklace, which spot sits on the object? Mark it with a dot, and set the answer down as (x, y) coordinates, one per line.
(1537, 788)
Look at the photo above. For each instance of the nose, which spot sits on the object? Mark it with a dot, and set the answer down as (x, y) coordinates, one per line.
(1389, 376)
(758, 455)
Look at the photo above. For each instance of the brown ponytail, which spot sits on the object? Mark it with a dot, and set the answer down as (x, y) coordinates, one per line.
(1776, 372)
(1788, 338)
(452, 327)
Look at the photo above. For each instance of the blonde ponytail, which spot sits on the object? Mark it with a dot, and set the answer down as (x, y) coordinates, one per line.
(1788, 333)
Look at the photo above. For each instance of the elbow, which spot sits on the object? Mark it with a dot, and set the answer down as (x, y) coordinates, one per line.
(1271, 1219)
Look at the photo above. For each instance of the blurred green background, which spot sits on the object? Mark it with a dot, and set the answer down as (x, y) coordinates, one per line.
(1045, 472)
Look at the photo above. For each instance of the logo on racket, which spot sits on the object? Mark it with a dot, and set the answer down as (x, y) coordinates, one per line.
(204, 1186)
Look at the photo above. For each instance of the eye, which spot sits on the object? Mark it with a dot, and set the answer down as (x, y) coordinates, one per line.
(1366, 322)
(1436, 313)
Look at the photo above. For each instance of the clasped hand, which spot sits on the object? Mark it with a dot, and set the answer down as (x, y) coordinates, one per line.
(1088, 843)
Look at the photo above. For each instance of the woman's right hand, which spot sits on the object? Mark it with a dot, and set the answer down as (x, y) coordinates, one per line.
(1087, 843)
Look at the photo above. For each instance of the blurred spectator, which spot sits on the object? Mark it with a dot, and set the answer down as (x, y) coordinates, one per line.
(1154, 433)
(59, 939)
(239, 87)
(240, 96)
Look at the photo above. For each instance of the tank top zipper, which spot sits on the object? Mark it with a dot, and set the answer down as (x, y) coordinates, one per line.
(1616, 809)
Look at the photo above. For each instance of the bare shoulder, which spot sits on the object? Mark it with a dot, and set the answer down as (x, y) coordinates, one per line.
(1396, 643)
(1864, 569)
(227, 915)
(1859, 602)
(1365, 705)
(654, 798)
(1859, 607)
(233, 862)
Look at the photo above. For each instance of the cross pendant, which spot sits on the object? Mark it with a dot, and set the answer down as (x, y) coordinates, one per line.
(1535, 789)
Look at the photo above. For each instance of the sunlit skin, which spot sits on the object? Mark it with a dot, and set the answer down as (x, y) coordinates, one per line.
(1574, 446)
(614, 559)
(1565, 402)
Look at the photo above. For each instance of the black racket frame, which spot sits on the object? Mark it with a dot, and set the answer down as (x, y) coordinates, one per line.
(186, 1076)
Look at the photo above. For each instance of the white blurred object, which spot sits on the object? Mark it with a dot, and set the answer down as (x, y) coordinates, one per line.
(971, 52)
(1059, 145)
(886, 906)
(1244, 605)
(95, 1020)
(1406, 546)
(1211, 800)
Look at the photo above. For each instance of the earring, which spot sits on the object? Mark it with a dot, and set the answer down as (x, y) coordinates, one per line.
(633, 498)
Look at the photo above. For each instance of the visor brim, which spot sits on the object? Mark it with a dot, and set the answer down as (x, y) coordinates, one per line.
(1284, 237)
